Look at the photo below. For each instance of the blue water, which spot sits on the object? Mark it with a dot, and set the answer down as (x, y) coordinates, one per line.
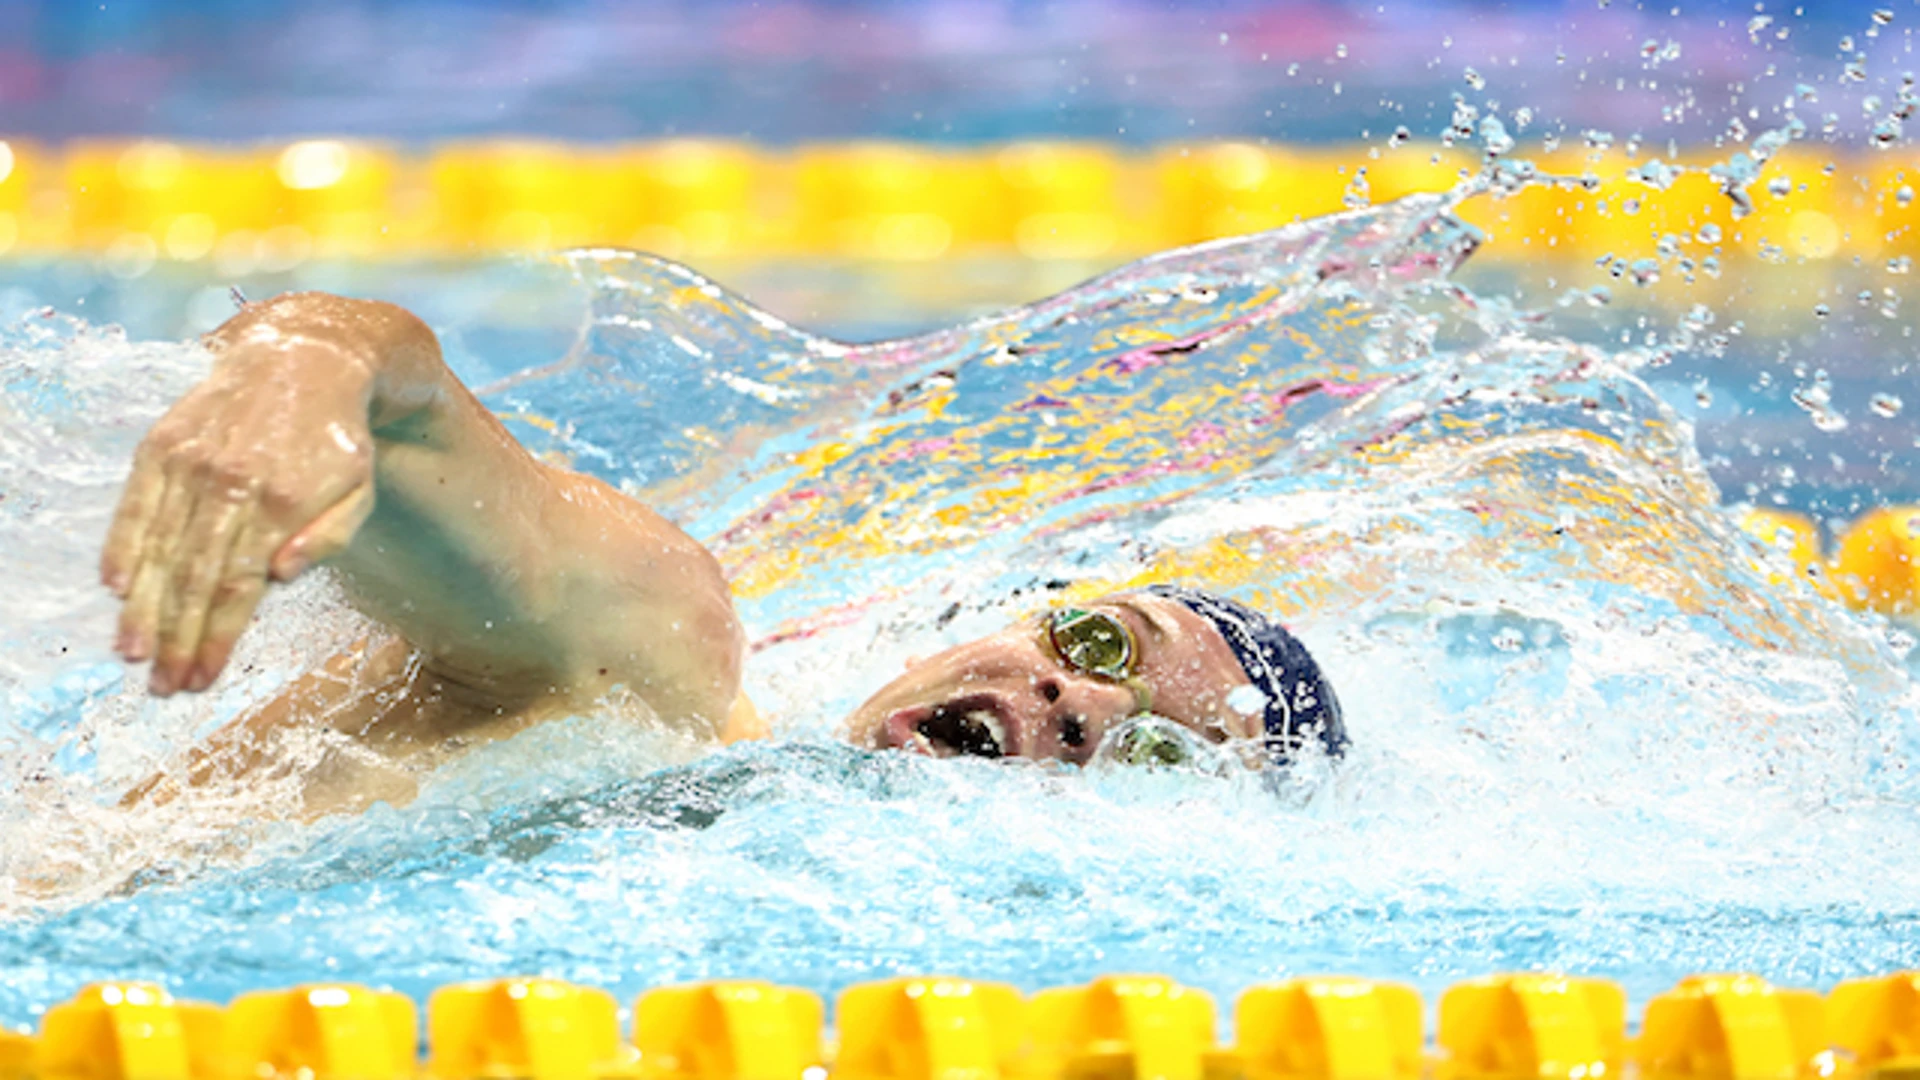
(1596, 728)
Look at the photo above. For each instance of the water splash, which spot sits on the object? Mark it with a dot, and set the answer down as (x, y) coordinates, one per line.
(1556, 654)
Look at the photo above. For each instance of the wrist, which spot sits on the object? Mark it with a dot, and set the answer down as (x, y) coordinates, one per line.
(377, 350)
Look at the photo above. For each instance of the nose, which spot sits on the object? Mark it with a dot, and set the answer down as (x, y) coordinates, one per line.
(1076, 710)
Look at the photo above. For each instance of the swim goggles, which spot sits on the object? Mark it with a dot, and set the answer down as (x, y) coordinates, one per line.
(1095, 643)
(1154, 742)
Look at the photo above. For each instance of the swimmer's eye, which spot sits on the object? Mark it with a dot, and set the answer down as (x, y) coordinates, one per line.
(1073, 731)
(1151, 741)
(1095, 643)
(1092, 642)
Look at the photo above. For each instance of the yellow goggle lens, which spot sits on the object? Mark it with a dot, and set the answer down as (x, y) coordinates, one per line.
(1092, 642)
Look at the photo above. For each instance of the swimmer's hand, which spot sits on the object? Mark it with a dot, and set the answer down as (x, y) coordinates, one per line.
(332, 430)
(261, 471)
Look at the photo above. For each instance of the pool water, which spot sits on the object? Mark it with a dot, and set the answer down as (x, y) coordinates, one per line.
(1596, 727)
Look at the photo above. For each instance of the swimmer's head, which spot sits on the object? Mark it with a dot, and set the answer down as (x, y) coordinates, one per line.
(1054, 686)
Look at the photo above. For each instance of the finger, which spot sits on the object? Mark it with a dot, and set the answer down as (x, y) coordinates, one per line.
(253, 552)
(205, 546)
(140, 615)
(325, 536)
(235, 595)
(139, 500)
(233, 606)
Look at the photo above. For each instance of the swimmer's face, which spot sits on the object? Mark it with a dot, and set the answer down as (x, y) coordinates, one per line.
(1012, 695)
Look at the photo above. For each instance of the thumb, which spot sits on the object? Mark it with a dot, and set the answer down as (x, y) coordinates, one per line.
(325, 536)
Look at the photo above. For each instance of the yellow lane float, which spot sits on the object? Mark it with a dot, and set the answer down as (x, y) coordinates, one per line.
(274, 204)
(1875, 565)
(1524, 1026)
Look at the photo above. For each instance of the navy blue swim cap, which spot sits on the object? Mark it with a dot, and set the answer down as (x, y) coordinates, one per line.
(1300, 705)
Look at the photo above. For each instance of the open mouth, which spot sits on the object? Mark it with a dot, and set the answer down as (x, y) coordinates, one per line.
(968, 726)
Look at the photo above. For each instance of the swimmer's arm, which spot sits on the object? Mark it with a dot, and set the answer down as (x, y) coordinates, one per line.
(352, 693)
(376, 695)
(332, 431)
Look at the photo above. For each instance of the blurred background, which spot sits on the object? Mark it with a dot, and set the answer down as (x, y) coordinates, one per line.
(878, 168)
(781, 72)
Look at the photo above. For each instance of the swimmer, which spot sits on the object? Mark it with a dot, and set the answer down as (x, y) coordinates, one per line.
(331, 432)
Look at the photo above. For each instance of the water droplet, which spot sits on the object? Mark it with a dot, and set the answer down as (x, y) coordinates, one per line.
(1821, 311)
(1357, 195)
(1399, 137)
(1650, 48)
(1780, 186)
(1899, 640)
(1522, 116)
(1475, 79)
(1655, 174)
(1882, 16)
(1340, 50)
(1757, 24)
(1710, 266)
(1900, 264)
(1493, 135)
(1805, 93)
(1709, 233)
(1887, 405)
(1904, 196)
(1223, 37)
(1646, 272)
(1886, 132)
(1597, 140)
(1816, 399)
(1854, 71)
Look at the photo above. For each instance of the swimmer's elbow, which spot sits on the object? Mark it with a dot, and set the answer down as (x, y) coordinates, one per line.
(680, 645)
(718, 643)
(648, 605)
